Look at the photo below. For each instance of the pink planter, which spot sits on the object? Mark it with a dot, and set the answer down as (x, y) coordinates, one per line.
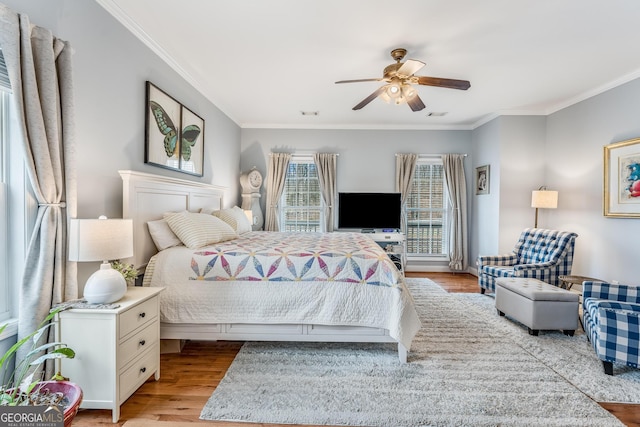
(71, 391)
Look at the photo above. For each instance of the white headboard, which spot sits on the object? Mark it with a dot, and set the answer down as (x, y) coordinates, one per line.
(146, 197)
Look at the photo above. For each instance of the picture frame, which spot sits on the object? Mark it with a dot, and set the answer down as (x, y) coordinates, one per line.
(622, 179)
(174, 135)
(482, 179)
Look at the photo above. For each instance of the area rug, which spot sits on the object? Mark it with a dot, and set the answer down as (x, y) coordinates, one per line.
(463, 369)
(573, 358)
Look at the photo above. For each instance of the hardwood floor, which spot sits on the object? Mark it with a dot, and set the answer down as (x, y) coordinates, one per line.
(188, 379)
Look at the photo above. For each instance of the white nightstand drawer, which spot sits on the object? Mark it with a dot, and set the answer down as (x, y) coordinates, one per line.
(138, 316)
(139, 371)
(138, 344)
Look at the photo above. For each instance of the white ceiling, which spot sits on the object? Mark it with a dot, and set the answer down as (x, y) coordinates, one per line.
(263, 62)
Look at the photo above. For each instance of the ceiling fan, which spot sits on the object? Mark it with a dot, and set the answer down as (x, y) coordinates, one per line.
(399, 78)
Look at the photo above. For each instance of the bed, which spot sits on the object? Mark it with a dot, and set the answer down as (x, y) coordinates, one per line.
(321, 287)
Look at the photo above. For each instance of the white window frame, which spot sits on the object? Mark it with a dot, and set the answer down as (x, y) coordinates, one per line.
(5, 295)
(19, 210)
(446, 216)
(283, 208)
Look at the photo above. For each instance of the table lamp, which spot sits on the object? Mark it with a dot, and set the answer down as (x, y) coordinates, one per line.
(545, 199)
(102, 240)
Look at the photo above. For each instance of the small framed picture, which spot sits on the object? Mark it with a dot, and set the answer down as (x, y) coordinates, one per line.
(482, 179)
(622, 179)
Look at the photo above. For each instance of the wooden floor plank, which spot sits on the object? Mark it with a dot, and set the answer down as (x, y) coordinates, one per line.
(188, 379)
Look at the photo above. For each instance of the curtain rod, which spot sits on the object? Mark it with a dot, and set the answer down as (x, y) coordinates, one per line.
(299, 154)
(433, 155)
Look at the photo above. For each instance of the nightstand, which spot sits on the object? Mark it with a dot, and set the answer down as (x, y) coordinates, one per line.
(117, 349)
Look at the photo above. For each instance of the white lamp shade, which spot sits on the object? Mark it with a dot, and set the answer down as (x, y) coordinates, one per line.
(546, 199)
(100, 239)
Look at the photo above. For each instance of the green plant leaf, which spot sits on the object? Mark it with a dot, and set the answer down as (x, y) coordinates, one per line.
(5, 398)
(56, 354)
(44, 347)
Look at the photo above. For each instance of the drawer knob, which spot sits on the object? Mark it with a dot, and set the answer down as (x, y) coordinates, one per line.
(143, 370)
(142, 314)
(142, 342)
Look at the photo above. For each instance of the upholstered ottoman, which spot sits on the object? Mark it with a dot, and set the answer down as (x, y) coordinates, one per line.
(537, 305)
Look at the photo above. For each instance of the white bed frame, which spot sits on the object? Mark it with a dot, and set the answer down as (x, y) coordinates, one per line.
(145, 197)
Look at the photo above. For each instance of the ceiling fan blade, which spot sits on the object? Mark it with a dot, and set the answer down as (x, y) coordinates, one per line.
(409, 68)
(370, 98)
(358, 80)
(416, 103)
(440, 82)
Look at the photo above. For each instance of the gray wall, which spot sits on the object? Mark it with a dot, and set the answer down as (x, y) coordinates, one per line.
(606, 248)
(366, 159)
(110, 69)
(563, 151)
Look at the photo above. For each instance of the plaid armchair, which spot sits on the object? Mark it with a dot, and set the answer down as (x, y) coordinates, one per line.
(611, 319)
(540, 254)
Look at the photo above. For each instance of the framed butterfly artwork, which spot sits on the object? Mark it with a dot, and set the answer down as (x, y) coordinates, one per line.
(174, 135)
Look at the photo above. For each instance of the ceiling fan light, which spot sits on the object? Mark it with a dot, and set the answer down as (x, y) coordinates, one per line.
(394, 90)
(408, 91)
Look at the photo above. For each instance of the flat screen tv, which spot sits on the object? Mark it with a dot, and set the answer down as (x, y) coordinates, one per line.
(369, 210)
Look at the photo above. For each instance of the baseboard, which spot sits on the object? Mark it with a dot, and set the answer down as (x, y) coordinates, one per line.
(437, 269)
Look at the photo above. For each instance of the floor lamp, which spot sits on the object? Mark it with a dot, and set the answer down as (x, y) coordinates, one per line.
(544, 199)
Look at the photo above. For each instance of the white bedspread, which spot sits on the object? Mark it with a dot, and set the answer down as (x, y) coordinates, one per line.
(256, 279)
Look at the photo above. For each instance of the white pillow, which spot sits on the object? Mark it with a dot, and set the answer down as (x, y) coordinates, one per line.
(236, 218)
(162, 235)
(196, 230)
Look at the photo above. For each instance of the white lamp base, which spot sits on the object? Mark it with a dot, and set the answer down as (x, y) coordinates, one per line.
(105, 285)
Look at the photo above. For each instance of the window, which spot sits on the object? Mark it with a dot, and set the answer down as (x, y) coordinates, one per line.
(18, 208)
(4, 278)
(427, 211)
(301, 205)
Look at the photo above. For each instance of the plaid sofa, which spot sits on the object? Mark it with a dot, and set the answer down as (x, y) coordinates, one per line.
(541, 254)
(611, 319)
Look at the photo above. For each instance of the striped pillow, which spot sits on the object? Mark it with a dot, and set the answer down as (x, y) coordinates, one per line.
(235, 217)
(196, 230)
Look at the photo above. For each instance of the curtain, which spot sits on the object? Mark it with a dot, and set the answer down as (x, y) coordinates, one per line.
(276, 174)
(405, 169)
(326, 164)
(39, 68)
(453, 165)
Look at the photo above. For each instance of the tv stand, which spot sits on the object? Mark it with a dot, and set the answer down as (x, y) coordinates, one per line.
(393, 244)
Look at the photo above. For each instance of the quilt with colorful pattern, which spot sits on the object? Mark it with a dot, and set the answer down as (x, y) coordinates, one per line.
(296, 257)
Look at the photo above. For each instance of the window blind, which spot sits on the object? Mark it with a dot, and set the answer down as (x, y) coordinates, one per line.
(4, 76)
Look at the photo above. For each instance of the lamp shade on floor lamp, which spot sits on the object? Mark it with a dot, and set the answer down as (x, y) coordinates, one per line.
(102, 240)
(545, 199)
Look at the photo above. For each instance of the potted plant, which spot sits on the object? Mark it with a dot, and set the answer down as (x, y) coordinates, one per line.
(128, 271)
(23, 385)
